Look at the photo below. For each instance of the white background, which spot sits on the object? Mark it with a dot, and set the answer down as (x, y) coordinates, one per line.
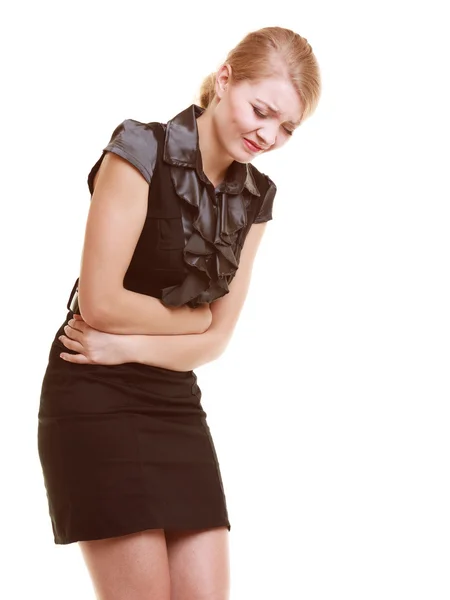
(332, 430)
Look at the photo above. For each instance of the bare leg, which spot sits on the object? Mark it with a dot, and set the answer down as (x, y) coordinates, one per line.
(199, 564)
(129, 567)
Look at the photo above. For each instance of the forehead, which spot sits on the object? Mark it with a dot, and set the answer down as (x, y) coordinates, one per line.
(280, 94)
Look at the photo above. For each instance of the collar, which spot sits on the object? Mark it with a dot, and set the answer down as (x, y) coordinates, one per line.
(181, 148)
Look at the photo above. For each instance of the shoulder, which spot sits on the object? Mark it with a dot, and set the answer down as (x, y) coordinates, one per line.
(263, 182)
(138, 143)
(137, 140)
(132, 127)
(267, 189)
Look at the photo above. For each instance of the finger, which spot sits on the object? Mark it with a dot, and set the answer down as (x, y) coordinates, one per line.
(71, 344)
(73, 331)
(77, 317)
(76, 358)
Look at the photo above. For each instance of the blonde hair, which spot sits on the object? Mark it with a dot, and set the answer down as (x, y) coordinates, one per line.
(259, 54)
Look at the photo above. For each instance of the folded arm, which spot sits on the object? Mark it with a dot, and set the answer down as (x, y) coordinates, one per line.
(116, 217)
(187, 352)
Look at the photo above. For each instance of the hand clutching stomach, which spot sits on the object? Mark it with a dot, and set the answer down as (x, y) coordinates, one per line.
(188, 339)
(93, 346)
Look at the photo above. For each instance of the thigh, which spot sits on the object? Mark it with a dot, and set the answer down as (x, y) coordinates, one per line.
(133, 566)
(199, 564)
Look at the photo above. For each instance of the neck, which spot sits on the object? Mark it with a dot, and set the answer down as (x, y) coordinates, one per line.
(215, 161)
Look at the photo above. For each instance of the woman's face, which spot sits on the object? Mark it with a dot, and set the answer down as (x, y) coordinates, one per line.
(253, 117)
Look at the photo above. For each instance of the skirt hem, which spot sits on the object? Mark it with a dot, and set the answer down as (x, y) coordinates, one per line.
(65, 540)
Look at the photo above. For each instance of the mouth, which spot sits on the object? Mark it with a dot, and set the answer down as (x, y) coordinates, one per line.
(252, 146)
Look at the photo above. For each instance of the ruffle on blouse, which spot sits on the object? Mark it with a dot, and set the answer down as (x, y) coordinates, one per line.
(209, 252)
(219, 215)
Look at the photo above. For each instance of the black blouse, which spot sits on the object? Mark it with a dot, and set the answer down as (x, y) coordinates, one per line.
(189, 248)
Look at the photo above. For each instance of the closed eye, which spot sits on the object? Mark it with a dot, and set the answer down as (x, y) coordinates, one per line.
(261, 115)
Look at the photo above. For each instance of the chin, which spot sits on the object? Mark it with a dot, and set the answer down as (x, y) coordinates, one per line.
(236, 151)
(243, 159)
(240, 154)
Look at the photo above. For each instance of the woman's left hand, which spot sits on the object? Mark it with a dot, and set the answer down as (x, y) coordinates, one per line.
(94, 347)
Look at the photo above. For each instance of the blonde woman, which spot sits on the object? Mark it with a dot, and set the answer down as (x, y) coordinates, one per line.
(176, 217)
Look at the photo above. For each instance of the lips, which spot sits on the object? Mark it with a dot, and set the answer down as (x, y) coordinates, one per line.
(252, 146)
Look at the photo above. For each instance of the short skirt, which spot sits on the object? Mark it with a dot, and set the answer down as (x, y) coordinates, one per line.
(125, 448)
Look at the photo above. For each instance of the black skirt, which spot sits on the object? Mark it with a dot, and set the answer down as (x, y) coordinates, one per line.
(125, 448)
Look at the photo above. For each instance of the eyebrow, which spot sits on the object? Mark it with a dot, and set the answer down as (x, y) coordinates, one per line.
(277, 112)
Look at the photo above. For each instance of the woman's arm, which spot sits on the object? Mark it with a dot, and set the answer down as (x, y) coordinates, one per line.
(133, 313)
(186, 352)
(115, 220)
(176, 352)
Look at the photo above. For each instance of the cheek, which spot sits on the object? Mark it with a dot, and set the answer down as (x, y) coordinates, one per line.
(247, 124)
(242, 119)
(247, 121)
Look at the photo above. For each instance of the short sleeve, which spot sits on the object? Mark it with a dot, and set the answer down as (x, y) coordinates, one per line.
(265, 210)
(134, 141)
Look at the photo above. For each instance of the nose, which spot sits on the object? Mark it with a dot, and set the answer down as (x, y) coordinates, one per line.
(267, 134)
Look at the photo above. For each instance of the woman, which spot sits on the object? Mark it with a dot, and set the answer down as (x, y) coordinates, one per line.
(177, 214)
